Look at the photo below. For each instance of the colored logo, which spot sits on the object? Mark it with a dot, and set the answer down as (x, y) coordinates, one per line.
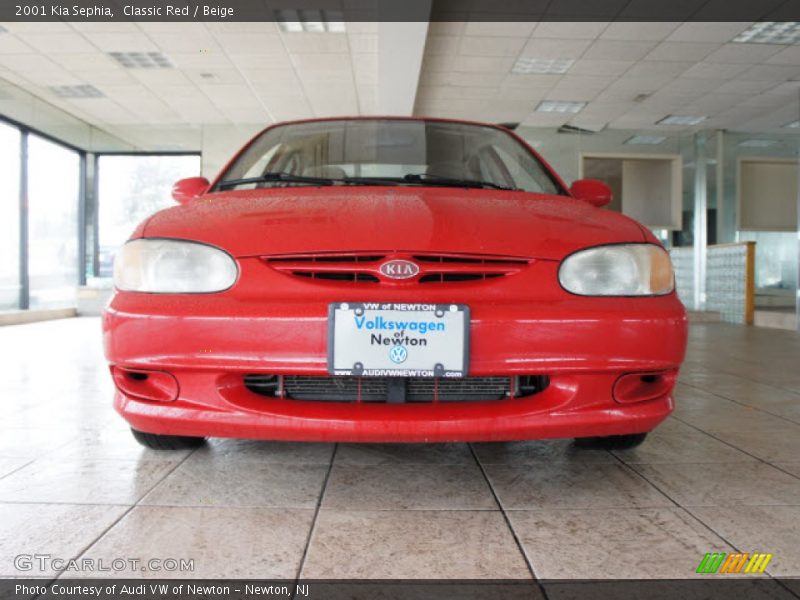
(737, 562)
(398, 354)
(399, 269)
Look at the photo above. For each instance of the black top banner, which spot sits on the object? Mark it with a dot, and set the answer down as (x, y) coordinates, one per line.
(399, 10)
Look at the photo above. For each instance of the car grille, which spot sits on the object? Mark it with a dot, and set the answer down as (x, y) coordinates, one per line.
(365, 268)
(394, 389)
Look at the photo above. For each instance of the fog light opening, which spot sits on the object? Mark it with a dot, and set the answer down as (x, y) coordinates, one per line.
(158, 386)
(641, 387)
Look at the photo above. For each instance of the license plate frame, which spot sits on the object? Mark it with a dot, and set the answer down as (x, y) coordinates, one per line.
(454, 318)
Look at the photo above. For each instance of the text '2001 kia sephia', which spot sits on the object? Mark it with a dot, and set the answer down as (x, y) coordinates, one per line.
(392, 279)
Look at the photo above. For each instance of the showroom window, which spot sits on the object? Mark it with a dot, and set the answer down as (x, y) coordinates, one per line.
(130, 188)
(10, 138)
(53, 202)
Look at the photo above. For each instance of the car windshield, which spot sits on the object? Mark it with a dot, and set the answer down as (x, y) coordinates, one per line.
(388, 152)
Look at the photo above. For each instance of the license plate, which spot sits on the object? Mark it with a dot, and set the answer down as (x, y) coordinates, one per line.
(395, 339)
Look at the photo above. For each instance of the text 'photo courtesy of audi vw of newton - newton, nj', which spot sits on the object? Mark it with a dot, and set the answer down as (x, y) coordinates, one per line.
(392, 280)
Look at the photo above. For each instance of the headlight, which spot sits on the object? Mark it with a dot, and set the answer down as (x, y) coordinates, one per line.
(173, 266)
(619, 270)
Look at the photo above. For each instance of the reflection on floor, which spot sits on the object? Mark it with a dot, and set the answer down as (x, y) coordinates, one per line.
(723, 473)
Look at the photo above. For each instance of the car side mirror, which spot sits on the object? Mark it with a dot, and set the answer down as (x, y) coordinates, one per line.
(593, 191)
(186, 190)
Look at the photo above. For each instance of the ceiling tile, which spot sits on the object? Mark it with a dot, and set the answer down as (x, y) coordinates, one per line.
(98, 79)
(491, 46)
(63, 43)
(649, 68)
(787, 56)
(90, 61)
(436, 45)
(210, 77)
(363, 43)
(200, 60)
(479, 64)
(563, 30)
(316, 43)
(600, 67)
(639, 31)
(616, 50)
(508, 28)
(679, 51)
(735, 86)
(155, 77)
(250, 43)
(547, 48)
(743, 53)
(698, 31)
(775, 73)
(11, 44)
(704, 70)
(458, 78)
(336, 63)
(122, 42)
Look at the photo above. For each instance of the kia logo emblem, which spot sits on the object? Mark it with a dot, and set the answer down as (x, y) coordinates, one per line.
(399, 269)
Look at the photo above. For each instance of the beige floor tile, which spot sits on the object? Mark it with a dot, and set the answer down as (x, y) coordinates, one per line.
(733, 484)
(736, 418)
(404, 486)
(663, 543)
(61, 531)
(692, 447)
(772, 529)
(378, 454)
(9, 465)
(539, 451)
(413, 544)
(777, 446)
(115, 444)
(239, 451)
(235, 543)
(789, 467)
(572, 486)
(82, 481)
(32, 442)
(226, 483)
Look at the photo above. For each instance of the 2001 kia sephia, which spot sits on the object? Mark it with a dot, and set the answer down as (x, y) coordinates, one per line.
(392, 279)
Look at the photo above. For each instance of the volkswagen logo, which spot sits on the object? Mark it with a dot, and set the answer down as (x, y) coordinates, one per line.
(399, 269)
(398, 354)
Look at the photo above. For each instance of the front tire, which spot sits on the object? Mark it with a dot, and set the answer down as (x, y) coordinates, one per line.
(166, 442)
(612, 442)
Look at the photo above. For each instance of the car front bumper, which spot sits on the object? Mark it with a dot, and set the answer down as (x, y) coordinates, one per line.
(208, 343)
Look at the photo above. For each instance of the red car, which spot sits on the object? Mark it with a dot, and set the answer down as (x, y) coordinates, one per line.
(392, 279)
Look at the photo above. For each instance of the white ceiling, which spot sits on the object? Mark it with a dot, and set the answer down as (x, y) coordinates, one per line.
(230, 74)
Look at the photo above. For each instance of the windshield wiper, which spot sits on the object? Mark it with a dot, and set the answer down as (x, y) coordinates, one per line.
(276, 177)
(279, 177)
(424, 178)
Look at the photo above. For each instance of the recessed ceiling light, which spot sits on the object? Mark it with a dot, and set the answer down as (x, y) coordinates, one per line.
(542, 66)
(299, 20)
(75, 91)
(681, 120)
(793, 125)
(758, 143)
(559, 106)
(141, 60)
(770, 32)
(645, 140)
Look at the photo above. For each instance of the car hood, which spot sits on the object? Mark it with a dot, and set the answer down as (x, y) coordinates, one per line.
(419, 219)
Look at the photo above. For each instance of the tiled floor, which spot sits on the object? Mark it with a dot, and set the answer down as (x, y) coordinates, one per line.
(723, 473)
